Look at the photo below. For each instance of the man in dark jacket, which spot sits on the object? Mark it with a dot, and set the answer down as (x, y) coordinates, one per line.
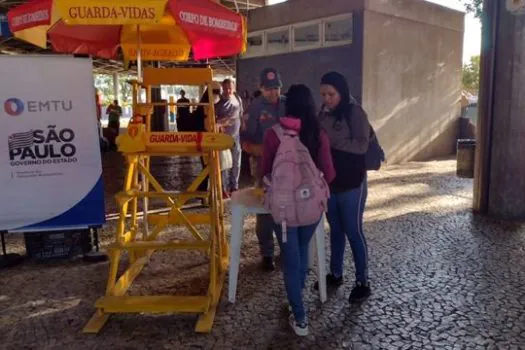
(263, 113)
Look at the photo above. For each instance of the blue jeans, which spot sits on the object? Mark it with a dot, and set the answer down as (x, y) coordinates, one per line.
(345, 215)
(231, 176)
(295, 267)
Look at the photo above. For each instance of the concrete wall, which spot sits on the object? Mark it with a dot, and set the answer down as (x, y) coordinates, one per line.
(412, 77)
(294, 11)
(404, 65)
(306, 67)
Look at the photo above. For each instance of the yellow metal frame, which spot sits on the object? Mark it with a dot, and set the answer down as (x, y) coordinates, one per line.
(138, 145)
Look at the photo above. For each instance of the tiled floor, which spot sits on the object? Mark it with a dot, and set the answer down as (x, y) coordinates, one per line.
(442, 279)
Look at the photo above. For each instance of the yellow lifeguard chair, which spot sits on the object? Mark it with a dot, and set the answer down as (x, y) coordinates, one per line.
(138, 145)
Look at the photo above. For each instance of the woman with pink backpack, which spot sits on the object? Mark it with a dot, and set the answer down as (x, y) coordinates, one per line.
(297, 167)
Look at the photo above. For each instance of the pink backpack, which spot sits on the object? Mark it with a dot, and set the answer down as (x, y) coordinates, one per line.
(296, 194)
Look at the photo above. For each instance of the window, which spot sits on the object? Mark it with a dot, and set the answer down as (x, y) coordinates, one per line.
(255, 44)
(338, 30)
(331, 31)
(307, 36)
(278, 40)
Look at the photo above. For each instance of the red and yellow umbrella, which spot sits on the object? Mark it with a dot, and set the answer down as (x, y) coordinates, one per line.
(164, 30)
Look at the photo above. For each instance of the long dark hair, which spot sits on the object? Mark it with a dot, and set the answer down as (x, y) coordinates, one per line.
(199, 115)
(300, 104)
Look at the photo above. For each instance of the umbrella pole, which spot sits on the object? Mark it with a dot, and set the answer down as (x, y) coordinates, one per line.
(139, 55)
(145, 159)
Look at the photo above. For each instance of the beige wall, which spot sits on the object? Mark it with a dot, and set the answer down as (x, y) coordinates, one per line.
(410, 54)
(412, 77)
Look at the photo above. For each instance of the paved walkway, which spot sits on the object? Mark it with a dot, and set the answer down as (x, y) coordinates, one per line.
(441, 277)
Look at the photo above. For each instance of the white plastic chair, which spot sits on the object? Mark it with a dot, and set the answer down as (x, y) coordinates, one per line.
(245, 202)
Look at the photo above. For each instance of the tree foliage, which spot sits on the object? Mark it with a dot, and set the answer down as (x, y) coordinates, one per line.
(104, 84)
(474, 6)
(471, 73)
(471, 70)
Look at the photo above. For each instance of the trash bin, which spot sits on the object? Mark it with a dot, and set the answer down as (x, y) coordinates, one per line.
(466, 151)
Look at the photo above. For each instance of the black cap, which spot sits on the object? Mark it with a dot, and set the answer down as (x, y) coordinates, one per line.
(271, 79)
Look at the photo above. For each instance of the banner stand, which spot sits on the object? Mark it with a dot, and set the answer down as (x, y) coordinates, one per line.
(49, 140)
(8, 260)
(95, 256)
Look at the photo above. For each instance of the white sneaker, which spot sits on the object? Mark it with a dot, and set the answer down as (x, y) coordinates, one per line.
(300, 329)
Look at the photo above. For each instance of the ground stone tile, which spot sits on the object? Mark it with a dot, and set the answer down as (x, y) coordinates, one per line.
(442, 278)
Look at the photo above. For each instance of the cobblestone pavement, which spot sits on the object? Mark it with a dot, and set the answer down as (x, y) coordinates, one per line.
(442, 278)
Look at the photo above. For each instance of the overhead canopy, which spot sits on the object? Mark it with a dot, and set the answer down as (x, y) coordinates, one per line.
(13, 46)
(166, 29)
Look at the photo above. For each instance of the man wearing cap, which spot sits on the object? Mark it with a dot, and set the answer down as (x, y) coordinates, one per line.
(263, 113)
(229, 112)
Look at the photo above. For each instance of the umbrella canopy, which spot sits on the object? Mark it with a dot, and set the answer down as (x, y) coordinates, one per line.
(164, 30)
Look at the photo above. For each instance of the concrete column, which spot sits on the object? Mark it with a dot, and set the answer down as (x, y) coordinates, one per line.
(116, 87)
(499, 188)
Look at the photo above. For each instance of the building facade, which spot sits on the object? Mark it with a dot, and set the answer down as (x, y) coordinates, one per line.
(403, 60)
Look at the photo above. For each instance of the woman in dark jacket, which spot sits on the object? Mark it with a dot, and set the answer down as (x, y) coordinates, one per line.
(349, 131)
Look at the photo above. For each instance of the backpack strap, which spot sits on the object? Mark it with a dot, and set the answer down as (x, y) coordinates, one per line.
(278, 131)
(282, 132)
(238, 98)
(349, 123)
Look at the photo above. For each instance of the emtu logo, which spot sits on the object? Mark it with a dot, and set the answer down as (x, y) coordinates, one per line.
(14, 107)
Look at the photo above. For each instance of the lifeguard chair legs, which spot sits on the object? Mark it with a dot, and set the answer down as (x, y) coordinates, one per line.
(139, 145)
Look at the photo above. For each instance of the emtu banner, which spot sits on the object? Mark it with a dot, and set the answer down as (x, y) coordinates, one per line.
(50, 163)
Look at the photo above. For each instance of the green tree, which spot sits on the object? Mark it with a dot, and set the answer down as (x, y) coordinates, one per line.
(104, 83)
(471, 73)
(126, 89)
(474, 6)
(471, 70)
